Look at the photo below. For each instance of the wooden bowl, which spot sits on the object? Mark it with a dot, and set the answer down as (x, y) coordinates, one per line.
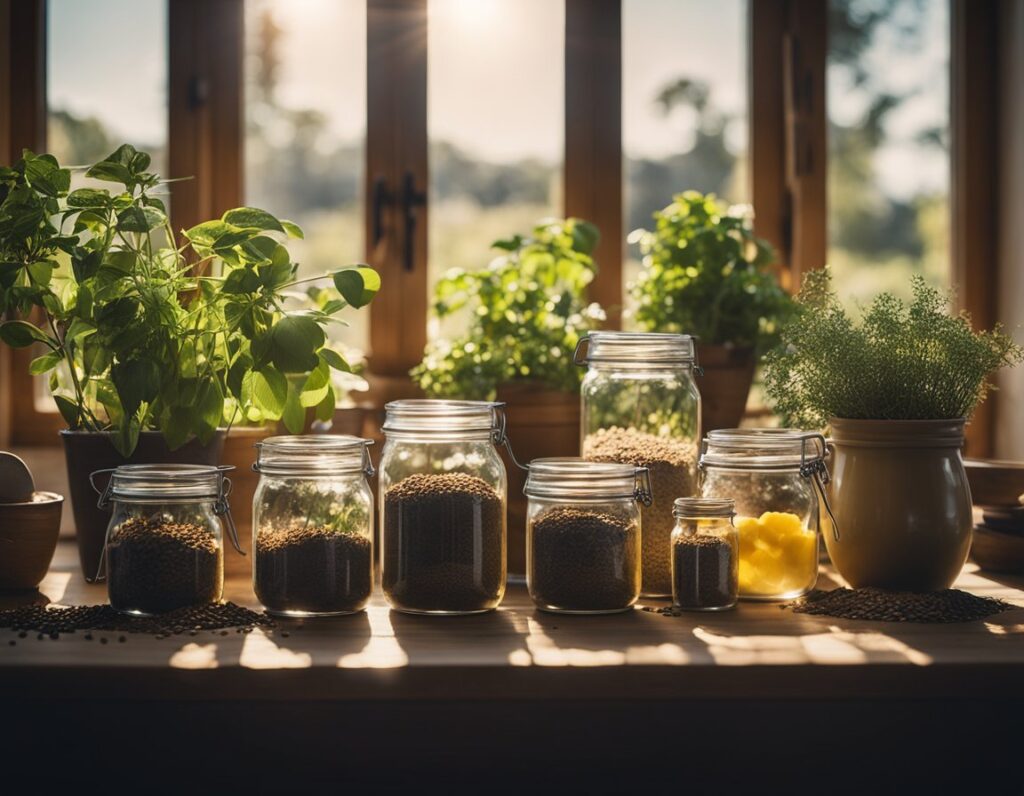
(995, 483)
(998, 552)
(28, 538)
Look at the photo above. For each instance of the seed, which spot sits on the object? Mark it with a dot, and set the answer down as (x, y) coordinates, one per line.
(951, 605)
(314, 569)
(157, 566)
(672, 464)
(12, 642)
(103, 640)
(444, 543)
(584, 561)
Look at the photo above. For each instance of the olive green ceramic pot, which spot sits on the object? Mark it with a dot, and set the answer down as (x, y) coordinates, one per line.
(901, 500)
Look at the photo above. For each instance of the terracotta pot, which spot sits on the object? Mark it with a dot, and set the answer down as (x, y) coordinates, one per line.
(28, 537)
(902, 502)
(725, 385)
(540, 423)
(88, 451)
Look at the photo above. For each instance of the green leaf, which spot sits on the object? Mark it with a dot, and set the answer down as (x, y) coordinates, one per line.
(357, 286)
(293, 230)
(68, 410)
(335, 360)
(210, 409)
(137, 382)
(241, 280)
(315, 387)
(46, 177)
(295, 339)
(127, 436)
(177, 426)
(121, 261)
(140, 219)
(41, 272)
(585, 236)
(110, 172)
(207, 233)
(252, 218)
(45, 363)
(89, 197)
(268, 389)
(78, 329)
(294, 415)
(21, 334)
(325, 409)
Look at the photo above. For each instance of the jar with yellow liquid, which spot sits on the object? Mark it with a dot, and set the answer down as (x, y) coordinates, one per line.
(776, 478)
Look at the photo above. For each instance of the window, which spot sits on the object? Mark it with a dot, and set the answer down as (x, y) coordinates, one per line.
(889, 171)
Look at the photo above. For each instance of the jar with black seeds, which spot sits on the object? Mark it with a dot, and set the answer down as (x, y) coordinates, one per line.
(705, 555)
(312, 531)
(164, 548)
(443, 507)
(583, 533)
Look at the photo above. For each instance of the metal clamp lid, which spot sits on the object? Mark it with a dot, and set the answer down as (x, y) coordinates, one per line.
(643, 492)
(366, 465)
(499, 432)
(813, 467)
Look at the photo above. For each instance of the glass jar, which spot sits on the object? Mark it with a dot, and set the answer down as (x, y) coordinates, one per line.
(443, 492)
(641, 407)
(312, 525)
(164, 546)
(583, 535)
(776, 478)
(705, 555)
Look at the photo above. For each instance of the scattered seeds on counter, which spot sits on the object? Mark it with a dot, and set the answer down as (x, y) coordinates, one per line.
(951, 605)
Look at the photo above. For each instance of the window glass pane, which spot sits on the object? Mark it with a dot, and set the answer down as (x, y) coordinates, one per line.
(99, 97)
(888, 174)
(496, 76)
(684, 105)
(305, 114)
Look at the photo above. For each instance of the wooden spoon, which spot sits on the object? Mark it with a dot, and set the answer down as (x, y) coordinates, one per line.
(16, 484)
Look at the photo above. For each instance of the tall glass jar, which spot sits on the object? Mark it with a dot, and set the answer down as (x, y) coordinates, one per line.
(583, 535)
(164, 546)
(642, 407)
(775, 477)
(443, 492)
(312, 525)
(705, 551)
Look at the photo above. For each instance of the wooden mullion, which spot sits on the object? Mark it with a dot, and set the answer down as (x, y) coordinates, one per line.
(206, 45)
(974, 126)
(593, 137)
(396, 144)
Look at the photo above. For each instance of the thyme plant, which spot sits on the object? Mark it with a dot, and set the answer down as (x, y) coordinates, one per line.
(138, 333)
(897, 362)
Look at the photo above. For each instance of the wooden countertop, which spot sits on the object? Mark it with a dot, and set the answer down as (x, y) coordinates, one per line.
(757, 651)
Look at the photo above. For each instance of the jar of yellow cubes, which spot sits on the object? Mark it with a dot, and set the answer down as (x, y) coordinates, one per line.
(776, 478)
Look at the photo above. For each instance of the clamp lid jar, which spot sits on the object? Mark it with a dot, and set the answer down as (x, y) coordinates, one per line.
(583, 534)
(312, 525)
(443, 491)
(164, 546)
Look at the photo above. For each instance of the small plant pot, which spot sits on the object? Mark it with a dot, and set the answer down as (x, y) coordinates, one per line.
(86, 452)
(725, 385)
(28, 537)
(901, 499)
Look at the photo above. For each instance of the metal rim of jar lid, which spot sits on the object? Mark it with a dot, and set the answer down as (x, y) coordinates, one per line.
(759, 448)
(701, 507)
(636, 347)
(311, 454)
(572, 476)
(441, 415)
(140, 481)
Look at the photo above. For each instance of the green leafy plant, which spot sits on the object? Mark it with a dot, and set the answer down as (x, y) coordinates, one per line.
(140, 334)
(898, 362)
(705, 273)
(526, 310)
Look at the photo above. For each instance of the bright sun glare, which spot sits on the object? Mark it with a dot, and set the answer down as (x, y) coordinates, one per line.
(468, 16)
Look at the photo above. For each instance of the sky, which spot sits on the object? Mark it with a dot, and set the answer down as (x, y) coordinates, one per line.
(496, 74)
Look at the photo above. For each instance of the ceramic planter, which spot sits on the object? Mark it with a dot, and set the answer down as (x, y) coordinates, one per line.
(28, 537)
(88, 451)
(725, 385)
(902, 502)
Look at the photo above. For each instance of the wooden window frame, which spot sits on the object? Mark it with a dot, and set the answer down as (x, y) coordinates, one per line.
(787, 150)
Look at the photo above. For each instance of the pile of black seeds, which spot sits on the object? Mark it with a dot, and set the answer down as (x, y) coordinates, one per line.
(47, 621)
(444, 543)
(155, 566)
(704, 573)
(583, 561)
(951, 605)
(312, 569)
(673, 467)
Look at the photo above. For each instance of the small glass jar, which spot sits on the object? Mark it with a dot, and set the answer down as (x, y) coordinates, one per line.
(776, 478)
(312, 525)
(583, 535)
(705, 555)
(443, 491)
(164, 546)
(641, 406)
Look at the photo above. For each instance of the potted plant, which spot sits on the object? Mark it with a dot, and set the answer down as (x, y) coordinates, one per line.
(525, 312)
(152, 349)
(896, 387)
(705, 273)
